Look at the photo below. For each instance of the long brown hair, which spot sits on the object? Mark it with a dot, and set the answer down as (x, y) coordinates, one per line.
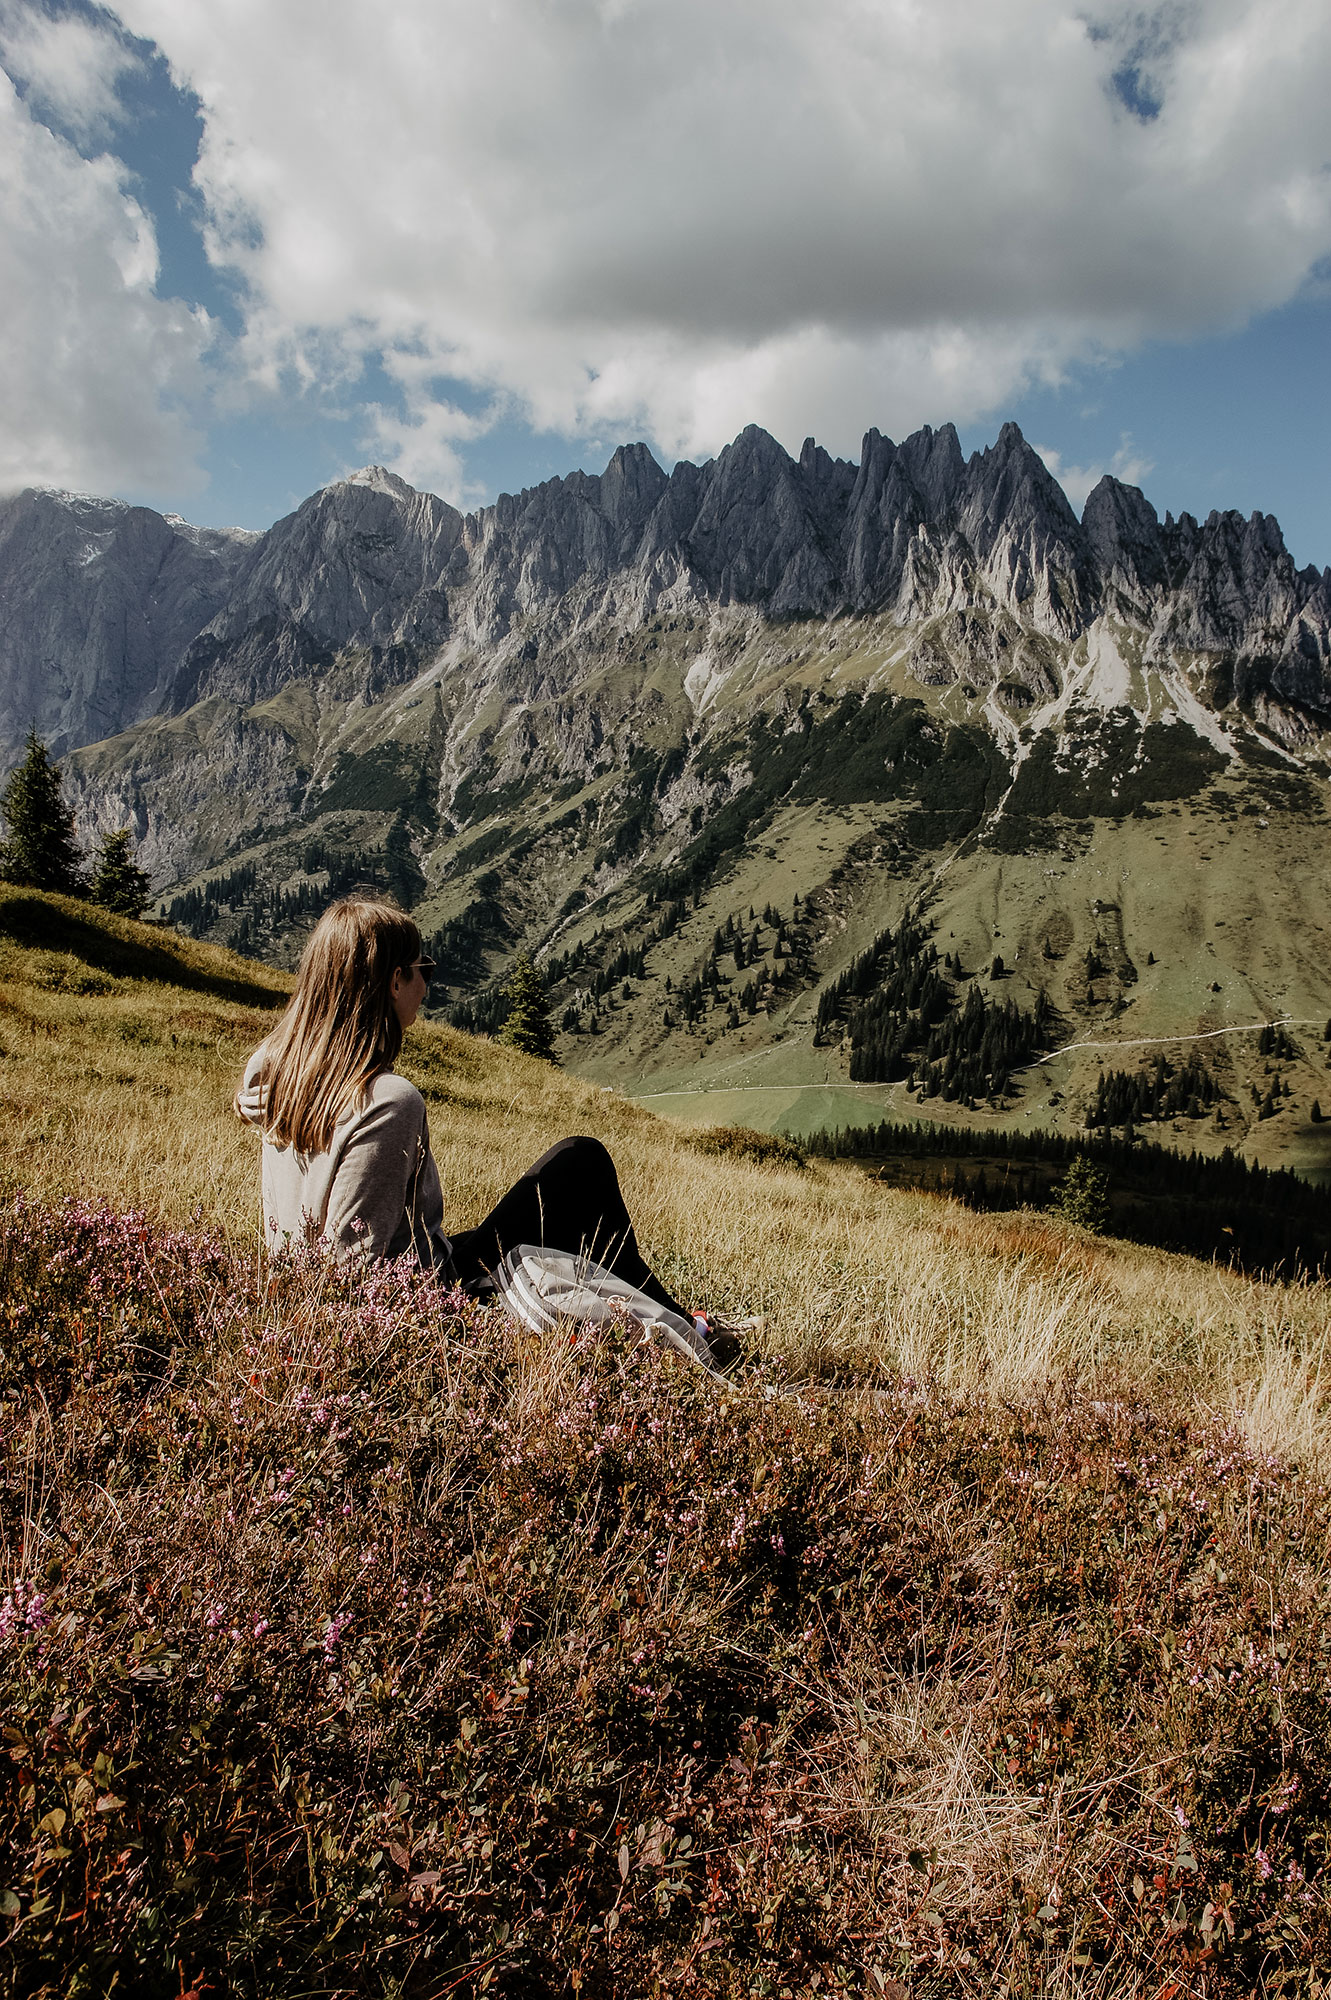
(340, 1027)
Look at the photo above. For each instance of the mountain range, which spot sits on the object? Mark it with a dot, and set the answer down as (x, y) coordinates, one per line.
(727, 732)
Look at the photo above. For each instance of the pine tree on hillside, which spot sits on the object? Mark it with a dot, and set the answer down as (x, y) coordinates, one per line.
(528, 1024)
(118, 883)
(40, 852)
(1082, 1196)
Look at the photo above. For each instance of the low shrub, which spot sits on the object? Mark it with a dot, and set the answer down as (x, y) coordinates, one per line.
(741, 1142)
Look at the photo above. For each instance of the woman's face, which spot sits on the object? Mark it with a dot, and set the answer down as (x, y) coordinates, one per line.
(408, 988)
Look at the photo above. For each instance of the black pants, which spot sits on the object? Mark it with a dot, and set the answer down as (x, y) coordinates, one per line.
(569, 1200)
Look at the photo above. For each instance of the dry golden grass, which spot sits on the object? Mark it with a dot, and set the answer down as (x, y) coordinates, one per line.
(124, 1091)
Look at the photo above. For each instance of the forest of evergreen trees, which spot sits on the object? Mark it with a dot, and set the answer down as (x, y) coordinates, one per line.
(258, 915)
(459, 947)
(898, 1004)
(598, 974)
(1260, 1219)
(1166, 1090)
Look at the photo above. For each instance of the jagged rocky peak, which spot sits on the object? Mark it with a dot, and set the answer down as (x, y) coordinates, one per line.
(759, 535)
(359, 564)
(1027, 541)
(932, 461)
(794, 537)
(1127, 546)
(114, 612)
(530, 550)
(100, 600)
(381, 480)
(1228, 588)
(1234, 584)
(1008, 487)
(630, 486)
(927, 528)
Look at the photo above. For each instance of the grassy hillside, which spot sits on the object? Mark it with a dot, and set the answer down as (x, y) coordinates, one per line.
(122, 1046)
(353, 1642)
(625, 795)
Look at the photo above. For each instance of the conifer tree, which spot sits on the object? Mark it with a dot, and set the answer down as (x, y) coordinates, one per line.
(41, 852)
(118, 883)
(1082, 1196)
(528, 1024)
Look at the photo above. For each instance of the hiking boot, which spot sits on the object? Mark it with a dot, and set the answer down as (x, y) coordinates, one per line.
(725, 1337)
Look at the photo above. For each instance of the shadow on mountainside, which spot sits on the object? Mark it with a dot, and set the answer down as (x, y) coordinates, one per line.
(129, 950)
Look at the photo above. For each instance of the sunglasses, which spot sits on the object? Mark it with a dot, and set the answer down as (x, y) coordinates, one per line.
(426, 968)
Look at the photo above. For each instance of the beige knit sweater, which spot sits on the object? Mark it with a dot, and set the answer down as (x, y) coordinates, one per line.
(375, 1191)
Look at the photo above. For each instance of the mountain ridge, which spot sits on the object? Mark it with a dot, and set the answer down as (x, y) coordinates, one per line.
(914, 530)
(603, 719)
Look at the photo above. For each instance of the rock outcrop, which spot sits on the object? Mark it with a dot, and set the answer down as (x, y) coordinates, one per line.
(98, 603)
(114, 613)
(360, 565)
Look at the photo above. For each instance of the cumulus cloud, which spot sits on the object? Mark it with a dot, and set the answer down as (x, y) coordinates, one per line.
(1128, 464)
(94, 364)
(673, 217)
(424, 445)
(70, 66)
(687, 214)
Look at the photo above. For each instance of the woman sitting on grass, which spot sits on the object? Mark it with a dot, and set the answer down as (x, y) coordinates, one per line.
(346, 1142)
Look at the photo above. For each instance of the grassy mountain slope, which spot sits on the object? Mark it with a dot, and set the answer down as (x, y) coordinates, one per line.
(118, 1084)
(611, 789)
(351, 1639)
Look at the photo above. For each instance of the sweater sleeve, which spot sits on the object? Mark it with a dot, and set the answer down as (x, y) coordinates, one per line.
(377, 1170)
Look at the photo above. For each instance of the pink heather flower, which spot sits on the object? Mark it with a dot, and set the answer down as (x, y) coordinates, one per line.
(333, 1636)
(1181, 1817)
(1264, 1868)
(23, 1611)
(261, 1628)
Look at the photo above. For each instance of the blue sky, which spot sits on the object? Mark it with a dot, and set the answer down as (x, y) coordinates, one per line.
(248, 248)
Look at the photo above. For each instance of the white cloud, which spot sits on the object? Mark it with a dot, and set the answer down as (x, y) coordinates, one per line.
(70, 65)
(424, 446)
(93, 362)
(678, 216)
(1128, 464)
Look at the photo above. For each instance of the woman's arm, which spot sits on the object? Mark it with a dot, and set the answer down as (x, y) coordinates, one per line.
(376, 1175)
